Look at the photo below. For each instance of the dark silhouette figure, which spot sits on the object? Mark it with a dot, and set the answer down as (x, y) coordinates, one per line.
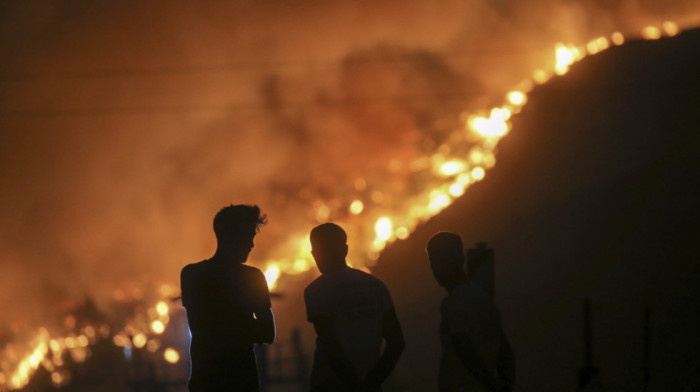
(476, 355)
(228, 306)
(352, 312)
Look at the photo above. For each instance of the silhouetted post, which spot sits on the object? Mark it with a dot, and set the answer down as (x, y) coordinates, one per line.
(646, 355)
(589, 378)
(480, 267)
(262, 360)
(587, 334)
(301, 373)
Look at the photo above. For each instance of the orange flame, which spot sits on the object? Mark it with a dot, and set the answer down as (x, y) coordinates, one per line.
(452, 176)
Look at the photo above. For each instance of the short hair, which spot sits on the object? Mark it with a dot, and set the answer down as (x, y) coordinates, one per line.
(328, 235)
(445, 244)
(234, 218)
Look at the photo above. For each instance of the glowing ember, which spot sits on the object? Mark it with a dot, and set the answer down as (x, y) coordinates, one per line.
(540, 76)
(162, 308)
(121, 341)
(383, 229)
(565, 56)
(171, 355)
(457, 189)
(451, 168)
(670, 28)
(402, 233)
(517, 98)
(494, 126)
(59, 378)
(597, 45)
(439, 201)
(651, 32)
(356, 207)
(617, 38)
(478, 173)
(158, 327)
(139, 340)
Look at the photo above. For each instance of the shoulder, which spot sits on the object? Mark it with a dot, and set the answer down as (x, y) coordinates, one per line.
(359, 275)
(189, 268)
(313, 287)
(458, 298)
(366, 279)
(192, 269)
(251, 275)
(250, 270)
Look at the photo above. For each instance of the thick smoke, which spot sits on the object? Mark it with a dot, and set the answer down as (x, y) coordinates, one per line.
(125, 126)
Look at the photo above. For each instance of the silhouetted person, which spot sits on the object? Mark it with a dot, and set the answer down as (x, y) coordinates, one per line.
(476, 355)
(351, 312)
(228, 306)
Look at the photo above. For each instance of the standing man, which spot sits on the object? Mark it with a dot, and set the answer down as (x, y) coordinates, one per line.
(228, 306)
(351, 312)
(476, 355)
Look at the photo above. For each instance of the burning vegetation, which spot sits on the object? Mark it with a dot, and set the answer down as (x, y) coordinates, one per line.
(404, 145)
(375, 211)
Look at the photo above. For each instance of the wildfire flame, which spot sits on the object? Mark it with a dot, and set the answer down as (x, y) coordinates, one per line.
(455, 173)
(49, 351)
(452, 173)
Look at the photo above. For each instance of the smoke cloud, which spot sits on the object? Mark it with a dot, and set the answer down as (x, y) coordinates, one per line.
(125, 126)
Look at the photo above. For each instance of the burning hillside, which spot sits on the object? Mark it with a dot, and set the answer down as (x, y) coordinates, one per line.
(112, 190)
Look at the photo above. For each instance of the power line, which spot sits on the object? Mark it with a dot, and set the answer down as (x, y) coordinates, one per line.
(230, 107)
(251, 66)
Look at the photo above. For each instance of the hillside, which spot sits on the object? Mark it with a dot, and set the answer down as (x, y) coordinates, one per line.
(594, 195)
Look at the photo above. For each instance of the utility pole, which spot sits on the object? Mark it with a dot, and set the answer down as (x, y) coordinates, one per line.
(589, 377)
(647, 349)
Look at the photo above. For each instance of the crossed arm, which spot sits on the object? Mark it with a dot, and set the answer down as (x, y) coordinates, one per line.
(504, 380)
(343, 368)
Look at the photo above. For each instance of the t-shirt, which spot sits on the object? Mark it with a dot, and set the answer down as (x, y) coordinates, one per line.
(356, 302)
(468, 309)
(220, 299)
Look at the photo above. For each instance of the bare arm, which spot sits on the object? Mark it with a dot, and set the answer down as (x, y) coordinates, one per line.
(264, 320)
(391, 331)
(474, 364)
(265, 326)
(333, 352)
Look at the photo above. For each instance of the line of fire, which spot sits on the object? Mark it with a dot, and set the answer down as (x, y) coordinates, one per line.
(137, 339)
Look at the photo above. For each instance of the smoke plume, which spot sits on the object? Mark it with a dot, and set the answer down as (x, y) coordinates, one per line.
(125, 126)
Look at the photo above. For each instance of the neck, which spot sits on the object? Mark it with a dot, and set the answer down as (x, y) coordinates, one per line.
(227, 255)
(335, 266)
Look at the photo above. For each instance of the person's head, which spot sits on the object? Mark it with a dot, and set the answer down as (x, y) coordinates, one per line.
(446, 254)
(235, 227)
(329, 246)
